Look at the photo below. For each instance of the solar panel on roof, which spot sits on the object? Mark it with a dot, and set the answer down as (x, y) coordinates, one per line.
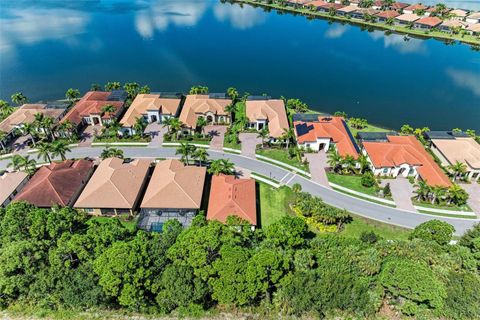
(375, 136)
(439, 135)
(306, 117)
(253, 98)
(217, 95)
(303, 128)
(117, 95)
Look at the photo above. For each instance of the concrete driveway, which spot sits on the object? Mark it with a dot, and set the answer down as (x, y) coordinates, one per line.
(249, 143)
(473, 201)
(317, 162)
(402, 192)
(88, 134)
(218, 134)
(156, 131)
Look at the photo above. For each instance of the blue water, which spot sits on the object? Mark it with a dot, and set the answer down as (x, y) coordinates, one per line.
(48, 46)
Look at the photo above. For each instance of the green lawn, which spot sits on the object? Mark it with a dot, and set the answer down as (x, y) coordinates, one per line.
(350, 182)
(123, 139)
(368, 128)
(359, 224)
(130, 224)
(274, 203)
(443, 207)
(236, 146)
(282, 156)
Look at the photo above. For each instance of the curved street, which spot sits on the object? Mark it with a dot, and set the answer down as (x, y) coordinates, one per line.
(355, 205)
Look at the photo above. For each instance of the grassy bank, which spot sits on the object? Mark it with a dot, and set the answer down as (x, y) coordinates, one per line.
(351, 182)
(359, 225)
(443, 36)
(282, 156)
(274, 203)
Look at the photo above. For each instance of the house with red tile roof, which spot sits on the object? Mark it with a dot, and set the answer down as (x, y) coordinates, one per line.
(414, 8)
(318, 134)
(59, 183)
(329, 6)
(10, 184)
(427, 23)
(89, 110)
(399, 6)
(383, 16)
(404, 156)
(267, 113)
(232, 197)
(212, 107)
(315, 4)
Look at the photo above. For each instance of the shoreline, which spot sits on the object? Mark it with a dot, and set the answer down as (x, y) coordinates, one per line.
(447, 38)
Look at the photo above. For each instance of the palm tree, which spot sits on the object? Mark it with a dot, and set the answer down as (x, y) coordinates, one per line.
(112, 86)
(19, 98)
(3, 135)
(113, 128)
(221, 166)
(66, 128)
(186, 150)
(32, 130)
(72, 94)
(438, 193)
(110, 152)
(457, 195)
(231, 109)
(47, 124)
(263, 134)
(108, 108)
(44, 150)
(18, 162)
(458, 169)
(167, 122)
(422, 190)
(201, 123)
(363, 162)
(297, 188)
(288, 135)
(95, 87)
(140, 126)
(198, 90)
(201, 155)
(233, 94)
(60, 148)
(175, 126)
(334, 160)
(5, 109)
(15, 162)
(131, 89)
(349, 164)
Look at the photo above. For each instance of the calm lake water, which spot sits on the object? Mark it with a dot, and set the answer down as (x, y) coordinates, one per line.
(48, 46)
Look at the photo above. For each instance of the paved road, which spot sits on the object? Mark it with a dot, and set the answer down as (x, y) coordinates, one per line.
(357, 206)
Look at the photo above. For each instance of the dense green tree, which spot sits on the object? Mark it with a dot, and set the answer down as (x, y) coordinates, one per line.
(463, 296)
(288, 232)
(434, 230)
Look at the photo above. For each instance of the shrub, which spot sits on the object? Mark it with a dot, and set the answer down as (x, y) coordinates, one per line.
(368, 180)
(387, 192)
(369, 237)
(434, 230)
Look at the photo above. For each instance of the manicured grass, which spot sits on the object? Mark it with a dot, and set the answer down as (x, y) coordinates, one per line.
(359, 224)
(443, 207)
(236, 146)
(368, 128)
(274, 203)
(130, 224)
(447, 215)
(351, 182)
(124, 139)
(365, 198)
(282, 156)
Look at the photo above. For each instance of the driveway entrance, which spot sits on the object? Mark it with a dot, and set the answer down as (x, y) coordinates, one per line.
(218, 134)
(317, 162)
(473, 190)
(249, 143)
(402, 192)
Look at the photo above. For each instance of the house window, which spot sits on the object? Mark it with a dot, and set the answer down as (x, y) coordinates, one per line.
(411, 171)
(385, 170)
(307, 145)
(89, 210)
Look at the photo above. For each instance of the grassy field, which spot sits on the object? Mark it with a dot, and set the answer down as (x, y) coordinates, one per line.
(443, 207)
(274, 203)
(130, 224)
(351, 182)
(282, 156)
(359, 224)
(369, 128)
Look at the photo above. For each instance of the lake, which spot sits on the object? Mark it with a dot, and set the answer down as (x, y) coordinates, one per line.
(47, 47)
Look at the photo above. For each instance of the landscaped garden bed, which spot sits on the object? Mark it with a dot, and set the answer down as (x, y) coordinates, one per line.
(282, 155)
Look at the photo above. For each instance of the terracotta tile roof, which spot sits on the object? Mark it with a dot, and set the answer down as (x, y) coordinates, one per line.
(91, 103)
(201, 104)
(474, 27)
(57, 183)
(430, 21)
(9, 182)
(474, 15)
(114, 184)
(348, 9)
(454, 23)
(414, 7)
(26, 114)
(230, 196)
(399, 5)
(388, 14)
(459, 13)
(408, 17)
(144, 102)
(174, 185)
(330, 5)
(271, 110)
(328, 127)
(317, 3)
(406, 150)
(434, 9)
(465, 150)
(302, 2)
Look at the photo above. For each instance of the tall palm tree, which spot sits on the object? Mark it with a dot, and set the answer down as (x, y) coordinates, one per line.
(60, 148)
(221, 166)
(5, 109)
(263, 134)
(108, 108)
(32, 130)
(44, 150)
(334, 160)
(201, 155)
(19, 98)
(66, 127)
(47, 124)
(438, 193)
(349, 164)
(110, 152)
(186, 150)
(231, 109)
(72, 94)
(457, 169)
(233, 94)
(140, 126)
(201, 123)
(288, 135)
(175, 126)
(23, 163)
(363, 163)
(113, 128)
(422, 190)
(167, 122)
(3, 135)
(457, 195)
(15, 162)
